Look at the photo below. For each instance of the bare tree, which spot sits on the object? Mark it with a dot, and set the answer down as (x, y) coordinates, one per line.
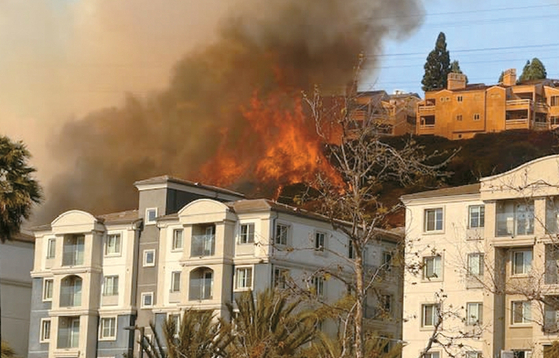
(363, 163)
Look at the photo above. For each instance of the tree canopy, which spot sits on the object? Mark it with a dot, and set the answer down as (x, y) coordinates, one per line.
(437, 67)
(533, 70)
(18, 189)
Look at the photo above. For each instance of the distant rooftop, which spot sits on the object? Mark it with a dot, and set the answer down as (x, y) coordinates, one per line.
(457, 190)
(169, 179)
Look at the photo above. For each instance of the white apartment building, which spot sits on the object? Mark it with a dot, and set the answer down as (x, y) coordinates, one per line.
(486, 258)
(96, 278)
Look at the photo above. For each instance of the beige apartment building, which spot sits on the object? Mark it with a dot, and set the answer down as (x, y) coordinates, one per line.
(99, 280)
(463, 110)
(487, 266)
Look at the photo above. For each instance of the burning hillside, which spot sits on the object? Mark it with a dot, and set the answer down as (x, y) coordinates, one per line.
(232, 114)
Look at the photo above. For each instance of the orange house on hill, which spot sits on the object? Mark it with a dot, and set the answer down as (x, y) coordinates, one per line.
(461, 111)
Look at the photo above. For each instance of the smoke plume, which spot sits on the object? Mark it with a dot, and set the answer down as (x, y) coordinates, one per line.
(231, 114)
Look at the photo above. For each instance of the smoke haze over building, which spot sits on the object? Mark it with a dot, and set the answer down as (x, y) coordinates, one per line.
(230, 110)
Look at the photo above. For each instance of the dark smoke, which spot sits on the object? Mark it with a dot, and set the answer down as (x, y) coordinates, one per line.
(268, 46)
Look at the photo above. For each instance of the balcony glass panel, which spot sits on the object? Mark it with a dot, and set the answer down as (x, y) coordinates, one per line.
(515, 218)
(71, 292)
(68, 332)
(73, 251)
(551, 261)
(203, 245)
(201, 284)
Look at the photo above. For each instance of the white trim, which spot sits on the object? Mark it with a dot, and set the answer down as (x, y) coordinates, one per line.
(120, 242)
(146, 217)
(144, 258)
(47, 299)
(41, 332)
(145, 294)
(244, 288)
(108, 338)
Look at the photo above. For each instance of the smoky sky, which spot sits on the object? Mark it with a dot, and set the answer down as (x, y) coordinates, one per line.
(259, 49)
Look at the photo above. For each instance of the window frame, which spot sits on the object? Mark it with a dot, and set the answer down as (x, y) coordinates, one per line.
(281, 238)
(319, 244)
(145, 256)
(174, 281)
(280, 277)
(525, 270)
(119, 244)
(469, 317)
(249, 278)
(434, 315)
(102, 336)
(459, 117)
(318, 284)
(436, 221)
(459, 98)
(437, 270)
(248, 236)
(114, 287)
(526, 319)
(480, 264)
(43, 332)
(480, 216)
(51, 248)
(143, 299)
(432, 355)
(477, 117)
(174, 239)
(51, 291)
(147, 219)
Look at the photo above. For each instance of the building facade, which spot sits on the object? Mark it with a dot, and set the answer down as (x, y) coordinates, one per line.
(486, 258)
(461, 111)
(16, 260)
(98, 281)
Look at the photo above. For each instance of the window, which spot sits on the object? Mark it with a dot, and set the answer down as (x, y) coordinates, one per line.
(387, 260)
(473, 354)
(45, 330)
(201, 284)
(108, 328)
(175, 320)
(281, 277)
(521, 262)
(73, 250)
(434, 219)
(243, 277)
(47, 289)
(318, 286)
(319, 241)
(149, 258)
(459, 117)
(475, 264)
(110, 286)
(554, 101)
(177, 239)
(151, 215)
(71, 291)
(459, 98)
(68, 332)
(147, 299)
(432, 267)
(112, 245)
(203, 241)
(175, 281)
(386, 303)
(246, 235)
(476, 216)
(515, 218)
(432, 355)
(521, 312)
(429, 315)
(51, 248)
(474, 313)
(282, 232)
(476, 116)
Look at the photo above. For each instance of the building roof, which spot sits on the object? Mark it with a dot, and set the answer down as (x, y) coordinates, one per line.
(24, 237)
(457, 190)
(120, 217)
(163, 179)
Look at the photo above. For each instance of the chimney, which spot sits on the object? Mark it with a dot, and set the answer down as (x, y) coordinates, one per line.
(509, 77)
(456, 81)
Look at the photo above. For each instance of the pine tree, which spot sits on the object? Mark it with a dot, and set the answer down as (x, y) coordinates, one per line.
(533, 70)
(501, 77)
(437, 66)
(455, 68)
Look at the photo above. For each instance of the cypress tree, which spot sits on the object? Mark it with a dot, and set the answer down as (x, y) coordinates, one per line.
(437, 66)
(533, 70)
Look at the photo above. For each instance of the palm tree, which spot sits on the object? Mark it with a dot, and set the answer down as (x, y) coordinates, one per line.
(18, 190)
(273, 326)
(7, 351)
(197, 335)
(375, 346)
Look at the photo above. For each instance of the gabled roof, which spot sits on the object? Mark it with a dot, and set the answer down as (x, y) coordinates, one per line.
(457, 190)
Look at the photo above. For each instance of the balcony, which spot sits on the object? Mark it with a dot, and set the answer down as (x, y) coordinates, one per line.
(201, 284)
(515, 218)
(73, 250)
(71, 292)
(202, 245)
(516, 104)
(68, 332)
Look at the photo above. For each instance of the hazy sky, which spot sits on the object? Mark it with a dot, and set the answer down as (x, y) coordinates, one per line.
(62, 59)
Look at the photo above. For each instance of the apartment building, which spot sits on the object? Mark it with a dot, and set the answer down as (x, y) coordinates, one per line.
(461, 111)
(486, 282)
(99, 280)
(16, 260)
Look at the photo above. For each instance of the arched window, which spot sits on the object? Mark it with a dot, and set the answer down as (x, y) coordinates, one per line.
(201, 284)
(71, 291)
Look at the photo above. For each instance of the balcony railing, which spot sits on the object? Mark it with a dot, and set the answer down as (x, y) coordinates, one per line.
(203, 245)
(72, 255)
(201, 289)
